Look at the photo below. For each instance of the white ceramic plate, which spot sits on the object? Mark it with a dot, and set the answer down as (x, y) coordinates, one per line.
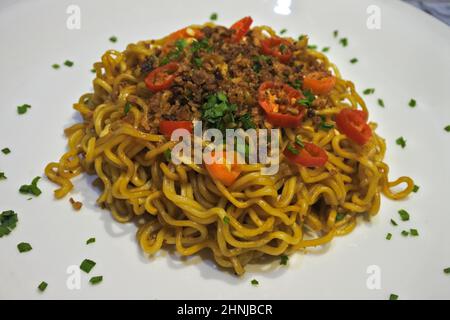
(409, 57)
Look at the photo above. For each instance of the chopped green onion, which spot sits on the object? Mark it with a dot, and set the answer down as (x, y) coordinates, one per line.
(416, 188)
(93, 70)
(312, 47)
(292, 149)
(113, 39)
(283, 31)
(96, 279)
(8, 222)
(299, 142)
(412, 103)
(2, 176)
(31, 188)
(55, 66)
(254, 282)
(284, 259)
(393, 222)
(127, 108)
(90, 240)
(198, 62)
(447, 270)
(247, 122)
(167, 155)
(389, 236)
(42, 286)
(68, 63)
(213, 16)
(404, 215)
(401, 142)
(405, 233)
(335, 33)
(87, 265)
(354, 60)
(414, 232)
(325, 49)
(339, 217)
(381, 103)
(6, 150)
(308, 99)
(326, 126)
(447, 128)
(301, 37)
(24, 247)
(344, 42)
(393, 297)
(226, 220)
(23, 108)
(369, 91)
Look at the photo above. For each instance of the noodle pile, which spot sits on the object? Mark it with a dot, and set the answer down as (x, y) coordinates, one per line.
(258, 215)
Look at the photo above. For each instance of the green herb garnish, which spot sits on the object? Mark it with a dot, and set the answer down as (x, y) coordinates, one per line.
(447, 128)
(218, 113)
(55, 66)
(369, 91)
(113, 39)
(31, 188)
(393, 222)
(401, 142)
(167, 155)
(87, 265)
(8, 222)
(414, 232)
(393, 297)
(312, 46)
(23, 108)
(301, 37)
(93, 70)
(389, 236)
(339, 217)
(299, 142)
(284, 259)
(24, 247)
(226, 220)
(127, 108)
(96, 279)
(213, 16)
(308, 99)
(335, 33)
(176, 53)
(404, 215)
(247, 122)
(2, 176)
(6, 150)
(90, 240)
(42, 286)
(254, 282)
(325, 49)
(68, 63)
(292, 149)
(198, 62)
(344, 42)
(199, 45)
(447, 270)
(416, 188)
(380, 103)
(283, 31)
(354, 60)
(405, 233)
(412, 103)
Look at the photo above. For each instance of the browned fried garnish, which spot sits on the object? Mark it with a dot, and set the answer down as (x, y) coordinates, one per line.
(75, 204)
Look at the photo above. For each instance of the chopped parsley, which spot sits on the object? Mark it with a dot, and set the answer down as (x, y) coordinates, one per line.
(197, 62)
(447, 128)
(87, 265)
(127, 108)
(312, 47)
(23, 108)
(325, 49)
(389, 236)
(308, 99)
(412, 103)
(213, 16)
(90, 240)
(284, 260)
(200, 45)
(31, 188)
(381, 102)
(176, 53)
(68, 63)
(339, 217)
(247, 122)
(167, 155)
(335, 33)
(24, 247)
(344, 42)
(218, 113)
(405, 233)
(416, 188)
(113, 39)
(394, 223)
(414, 232)
(404, 215)
(301, 37)
(6, 150)
(254, 282)
(325, 126)
(369, 91)
(8, 222)
(401, 142)
(297, 84)
(292, 149)
(447, 270)
(226, 220)
(2, 176)
(283, 31)
(55, 66)
(96, 279)
(354, 60)
(393, 297)
(93, 70)
(42, 286)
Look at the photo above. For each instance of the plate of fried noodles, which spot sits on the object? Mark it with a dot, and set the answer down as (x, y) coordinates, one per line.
(211, 149)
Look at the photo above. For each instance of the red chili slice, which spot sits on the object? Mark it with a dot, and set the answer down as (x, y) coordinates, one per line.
(319, 82)
(310, 155)
(277, 47)
(187, 32)
(166, 127)
(268, 94)
(353, 123)
(161, 78)
(241, 28)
